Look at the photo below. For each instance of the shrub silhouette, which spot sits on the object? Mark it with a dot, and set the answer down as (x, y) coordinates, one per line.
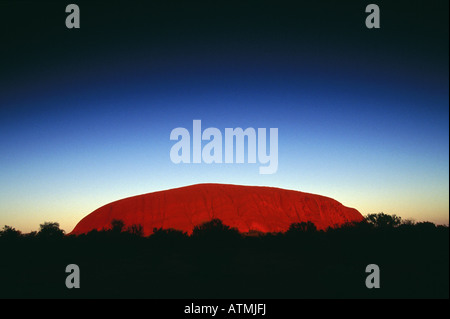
(168, 234)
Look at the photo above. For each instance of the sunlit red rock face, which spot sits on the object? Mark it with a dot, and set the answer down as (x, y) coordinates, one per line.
(265, 209)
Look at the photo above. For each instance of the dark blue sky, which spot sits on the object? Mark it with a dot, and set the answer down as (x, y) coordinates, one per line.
(86, 114)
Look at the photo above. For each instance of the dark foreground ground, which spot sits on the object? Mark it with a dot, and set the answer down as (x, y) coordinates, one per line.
(413, 262)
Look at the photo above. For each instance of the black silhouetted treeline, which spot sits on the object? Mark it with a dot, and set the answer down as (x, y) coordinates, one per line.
(217, 261)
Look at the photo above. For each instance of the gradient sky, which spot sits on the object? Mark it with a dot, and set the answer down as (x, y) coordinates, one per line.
(86, 115)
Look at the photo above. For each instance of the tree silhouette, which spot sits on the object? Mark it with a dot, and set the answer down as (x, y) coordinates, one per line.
(50, 230)
(136, 230)
(215, 230)
(303, 227)
(382, 220)
(9, 232)
(117, 226)
(425, 226)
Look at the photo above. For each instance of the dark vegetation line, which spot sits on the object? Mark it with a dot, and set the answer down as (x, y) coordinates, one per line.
(217, 261)
(372, 222)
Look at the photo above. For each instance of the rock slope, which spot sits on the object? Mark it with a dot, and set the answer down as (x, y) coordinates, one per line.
(265, 209)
